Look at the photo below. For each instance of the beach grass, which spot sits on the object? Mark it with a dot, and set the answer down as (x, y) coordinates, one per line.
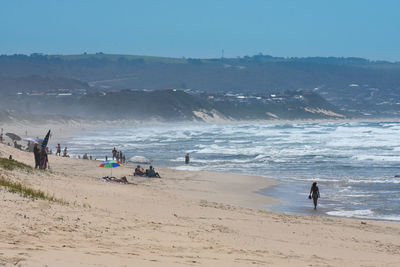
(28, 192)
(10, 164)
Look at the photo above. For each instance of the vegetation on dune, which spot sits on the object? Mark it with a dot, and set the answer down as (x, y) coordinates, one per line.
(10, 164)
(24, 191)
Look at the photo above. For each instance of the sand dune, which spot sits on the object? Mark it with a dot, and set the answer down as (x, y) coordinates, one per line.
(183, 219)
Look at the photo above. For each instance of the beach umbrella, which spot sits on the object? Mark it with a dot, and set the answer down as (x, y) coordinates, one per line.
(46, 139)
(28, 139)
(13, 136)
(139, 159)
(110, 164)
(39, 140)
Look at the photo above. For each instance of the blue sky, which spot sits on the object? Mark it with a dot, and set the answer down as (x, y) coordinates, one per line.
(202, 28)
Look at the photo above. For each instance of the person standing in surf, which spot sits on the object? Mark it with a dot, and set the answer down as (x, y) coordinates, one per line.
(114, 153)
(314, 194)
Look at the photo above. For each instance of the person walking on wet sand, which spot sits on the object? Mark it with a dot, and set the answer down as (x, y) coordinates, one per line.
(314, 194)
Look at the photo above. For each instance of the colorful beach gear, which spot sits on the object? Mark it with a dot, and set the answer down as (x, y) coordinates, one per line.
(110, 164)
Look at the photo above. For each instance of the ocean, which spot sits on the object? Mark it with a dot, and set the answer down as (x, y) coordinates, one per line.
(354, 163)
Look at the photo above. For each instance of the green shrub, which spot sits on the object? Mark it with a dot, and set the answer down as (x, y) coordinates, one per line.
(10, 164)
(24, 191)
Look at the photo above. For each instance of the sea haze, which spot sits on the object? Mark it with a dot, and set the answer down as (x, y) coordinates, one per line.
(354, 163)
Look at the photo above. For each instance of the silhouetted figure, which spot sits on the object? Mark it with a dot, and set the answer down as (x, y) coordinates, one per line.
(187, 158)
(36, 153)
(314, 194)
(58, 150)
(43, 159)
(65, 152)
(114, 153)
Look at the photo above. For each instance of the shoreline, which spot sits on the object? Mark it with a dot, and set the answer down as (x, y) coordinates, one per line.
(193, 218)
(62, 132)
(255, 191)
(77, 128)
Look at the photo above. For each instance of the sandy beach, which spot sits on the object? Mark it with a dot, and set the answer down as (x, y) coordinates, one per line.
(183, 219)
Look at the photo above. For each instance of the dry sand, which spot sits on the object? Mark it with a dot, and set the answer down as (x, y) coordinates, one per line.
(183, 219)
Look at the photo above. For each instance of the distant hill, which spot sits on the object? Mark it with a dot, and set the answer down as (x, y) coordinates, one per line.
(353, 84)
(175, 106)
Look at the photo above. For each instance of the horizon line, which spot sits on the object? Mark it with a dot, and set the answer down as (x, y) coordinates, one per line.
(201, 58)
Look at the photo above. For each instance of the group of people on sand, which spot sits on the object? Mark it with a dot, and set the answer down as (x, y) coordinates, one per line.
(58, 151)
(118, 155)
(42, 162)
(150, 172)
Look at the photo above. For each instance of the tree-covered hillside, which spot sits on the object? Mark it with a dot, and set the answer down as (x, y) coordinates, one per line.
(351, 83)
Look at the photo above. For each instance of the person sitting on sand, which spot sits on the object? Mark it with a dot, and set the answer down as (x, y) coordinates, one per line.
(314, 193)
(138, 171)
(16, 145)
(152, 173)
(123, 180)
(65, 152)
(85, 156)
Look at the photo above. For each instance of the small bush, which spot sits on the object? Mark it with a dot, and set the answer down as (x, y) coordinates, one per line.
(10, 164)
(28, 192)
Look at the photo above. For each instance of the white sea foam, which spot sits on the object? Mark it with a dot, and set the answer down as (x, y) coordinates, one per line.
(394, 158)
(351, 213)
(363, 214)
